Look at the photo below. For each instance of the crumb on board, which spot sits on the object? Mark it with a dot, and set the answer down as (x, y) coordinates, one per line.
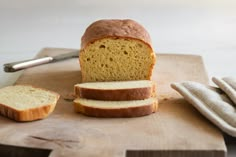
(69, 97)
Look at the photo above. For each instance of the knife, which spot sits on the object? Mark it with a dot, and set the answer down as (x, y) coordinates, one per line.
(20, 65)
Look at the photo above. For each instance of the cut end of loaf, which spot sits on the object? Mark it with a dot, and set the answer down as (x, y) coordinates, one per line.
(116, 59)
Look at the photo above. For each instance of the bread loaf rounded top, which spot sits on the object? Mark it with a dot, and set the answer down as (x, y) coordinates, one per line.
(115, 28)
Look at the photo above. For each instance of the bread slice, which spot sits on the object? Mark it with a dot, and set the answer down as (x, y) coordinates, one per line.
(26, 103)
(112, 109)
(116, 50)
(116, 91)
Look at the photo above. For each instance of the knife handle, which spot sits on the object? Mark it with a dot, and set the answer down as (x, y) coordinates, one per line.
(16, 66)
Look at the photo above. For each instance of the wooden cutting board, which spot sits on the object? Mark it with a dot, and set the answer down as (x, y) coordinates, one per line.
(176, 130)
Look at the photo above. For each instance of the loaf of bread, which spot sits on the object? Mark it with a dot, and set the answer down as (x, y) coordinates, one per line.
(116, 90)
(26, 103)
(116, 50)
(111, 109)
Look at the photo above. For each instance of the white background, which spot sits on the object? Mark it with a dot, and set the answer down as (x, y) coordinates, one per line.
(202, 27)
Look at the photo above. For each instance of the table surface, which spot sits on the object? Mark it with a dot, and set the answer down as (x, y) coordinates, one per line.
(205, 28)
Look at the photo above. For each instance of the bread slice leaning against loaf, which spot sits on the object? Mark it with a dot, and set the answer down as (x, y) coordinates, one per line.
(116, 90)
(115, 109)
(26, 103)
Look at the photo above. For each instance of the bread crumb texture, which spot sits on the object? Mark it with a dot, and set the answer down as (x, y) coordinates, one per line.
(116, 85)
(116, 59)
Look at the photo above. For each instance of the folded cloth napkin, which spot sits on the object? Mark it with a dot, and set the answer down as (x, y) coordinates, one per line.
(212, 102)
(228, 85)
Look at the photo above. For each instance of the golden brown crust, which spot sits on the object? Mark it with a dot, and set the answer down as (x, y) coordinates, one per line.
(26, 115)
(115, 28)
(117, 113)
(115, 94)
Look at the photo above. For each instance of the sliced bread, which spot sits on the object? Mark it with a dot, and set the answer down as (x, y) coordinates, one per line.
(116, 50)
(26, 103)
(112, 109)
(116, 91)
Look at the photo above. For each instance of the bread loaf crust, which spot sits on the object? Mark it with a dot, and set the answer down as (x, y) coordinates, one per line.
(117, 113)
(115, 28)
(27, 115)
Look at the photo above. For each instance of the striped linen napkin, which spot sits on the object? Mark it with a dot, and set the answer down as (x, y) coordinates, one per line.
(216, 104)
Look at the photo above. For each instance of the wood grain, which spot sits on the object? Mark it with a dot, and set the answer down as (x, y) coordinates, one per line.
(177, 129)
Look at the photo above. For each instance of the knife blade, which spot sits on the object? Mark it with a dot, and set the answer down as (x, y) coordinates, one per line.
(20, 65)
